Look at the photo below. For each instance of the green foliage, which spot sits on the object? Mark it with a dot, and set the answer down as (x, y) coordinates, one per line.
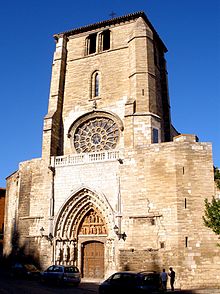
(217, 176)
(212, 215)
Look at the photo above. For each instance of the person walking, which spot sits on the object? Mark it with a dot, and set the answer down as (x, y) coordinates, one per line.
(172, 278)
(164, 277)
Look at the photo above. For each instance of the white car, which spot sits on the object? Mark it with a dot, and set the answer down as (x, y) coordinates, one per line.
(61, 274)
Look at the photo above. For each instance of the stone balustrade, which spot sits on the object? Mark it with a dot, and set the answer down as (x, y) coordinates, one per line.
(82, 158)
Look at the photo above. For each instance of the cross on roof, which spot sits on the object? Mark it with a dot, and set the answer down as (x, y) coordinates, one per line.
(112, 14)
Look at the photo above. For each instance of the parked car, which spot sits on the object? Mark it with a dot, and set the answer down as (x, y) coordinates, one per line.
(29, 271)
(61, 274)
(131, 282)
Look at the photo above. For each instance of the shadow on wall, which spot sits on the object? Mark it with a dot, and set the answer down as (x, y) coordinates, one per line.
(139, 260)
(23, 254)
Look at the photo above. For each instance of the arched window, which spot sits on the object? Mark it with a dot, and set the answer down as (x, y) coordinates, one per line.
(96, 84)
(105, 40)
(91, 43)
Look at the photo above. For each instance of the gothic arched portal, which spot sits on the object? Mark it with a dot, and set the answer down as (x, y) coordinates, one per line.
(85, 218)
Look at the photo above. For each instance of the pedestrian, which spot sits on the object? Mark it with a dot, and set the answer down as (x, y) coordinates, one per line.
(164, 277)
(172, 278)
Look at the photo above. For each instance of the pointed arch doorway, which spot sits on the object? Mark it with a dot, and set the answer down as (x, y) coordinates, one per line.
(92, 234)
(93, 259)
(81, 233)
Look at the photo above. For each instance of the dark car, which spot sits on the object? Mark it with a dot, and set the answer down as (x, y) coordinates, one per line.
(60, 274)
(28, 271)
(131, 282)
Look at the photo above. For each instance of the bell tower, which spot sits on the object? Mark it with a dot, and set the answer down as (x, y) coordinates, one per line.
(116, 70)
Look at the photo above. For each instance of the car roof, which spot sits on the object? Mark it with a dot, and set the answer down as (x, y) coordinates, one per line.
(126, 272)
(148, 272)
(60, 265)
(136, 272)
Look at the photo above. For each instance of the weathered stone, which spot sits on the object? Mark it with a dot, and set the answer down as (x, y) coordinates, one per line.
(139, 178)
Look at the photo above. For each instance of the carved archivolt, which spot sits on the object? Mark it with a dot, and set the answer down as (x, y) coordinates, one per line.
(84, 213)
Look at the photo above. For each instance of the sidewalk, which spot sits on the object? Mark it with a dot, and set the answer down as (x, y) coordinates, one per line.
(195, 291)
(92, 285)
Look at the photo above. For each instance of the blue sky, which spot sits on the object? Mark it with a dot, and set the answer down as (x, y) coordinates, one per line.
(190, 29)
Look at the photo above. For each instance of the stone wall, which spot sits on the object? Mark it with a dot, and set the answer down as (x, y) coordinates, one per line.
(28, 199)
(173, 181)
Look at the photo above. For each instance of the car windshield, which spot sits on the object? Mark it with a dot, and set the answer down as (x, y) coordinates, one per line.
(116, 277)
(71, 269)
(57, 269)
(124, 278)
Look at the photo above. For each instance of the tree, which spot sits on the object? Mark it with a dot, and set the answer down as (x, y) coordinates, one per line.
(212, 215)
(217, 176)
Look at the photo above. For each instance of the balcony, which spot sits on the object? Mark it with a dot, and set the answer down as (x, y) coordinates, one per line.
(75, 159)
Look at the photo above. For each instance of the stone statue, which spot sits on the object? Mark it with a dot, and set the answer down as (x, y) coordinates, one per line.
(65, 252)
(72, 251)
(58, 253)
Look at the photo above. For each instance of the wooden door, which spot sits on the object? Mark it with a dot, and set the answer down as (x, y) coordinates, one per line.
(93, 260)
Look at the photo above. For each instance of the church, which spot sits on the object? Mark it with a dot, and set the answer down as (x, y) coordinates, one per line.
(117, 186)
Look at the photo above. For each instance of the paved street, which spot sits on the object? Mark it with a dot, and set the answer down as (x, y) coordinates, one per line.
(17, 286)
(9, 285)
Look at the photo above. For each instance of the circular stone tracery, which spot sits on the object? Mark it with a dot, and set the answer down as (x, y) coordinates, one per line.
(96, 134)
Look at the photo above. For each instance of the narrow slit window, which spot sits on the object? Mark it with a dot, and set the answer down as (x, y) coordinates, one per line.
(96, 85)
(186, 241)
(162, 245)
(155, 136)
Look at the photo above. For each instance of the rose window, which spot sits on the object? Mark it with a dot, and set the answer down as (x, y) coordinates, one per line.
(96, 134)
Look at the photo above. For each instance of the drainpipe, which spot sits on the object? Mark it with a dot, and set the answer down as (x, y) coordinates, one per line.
(119, 216)
(51, 217)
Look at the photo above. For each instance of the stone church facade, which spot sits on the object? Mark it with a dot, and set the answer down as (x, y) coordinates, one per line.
(116, 187)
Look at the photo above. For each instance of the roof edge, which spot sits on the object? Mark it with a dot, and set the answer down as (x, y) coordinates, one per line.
(112, 21)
